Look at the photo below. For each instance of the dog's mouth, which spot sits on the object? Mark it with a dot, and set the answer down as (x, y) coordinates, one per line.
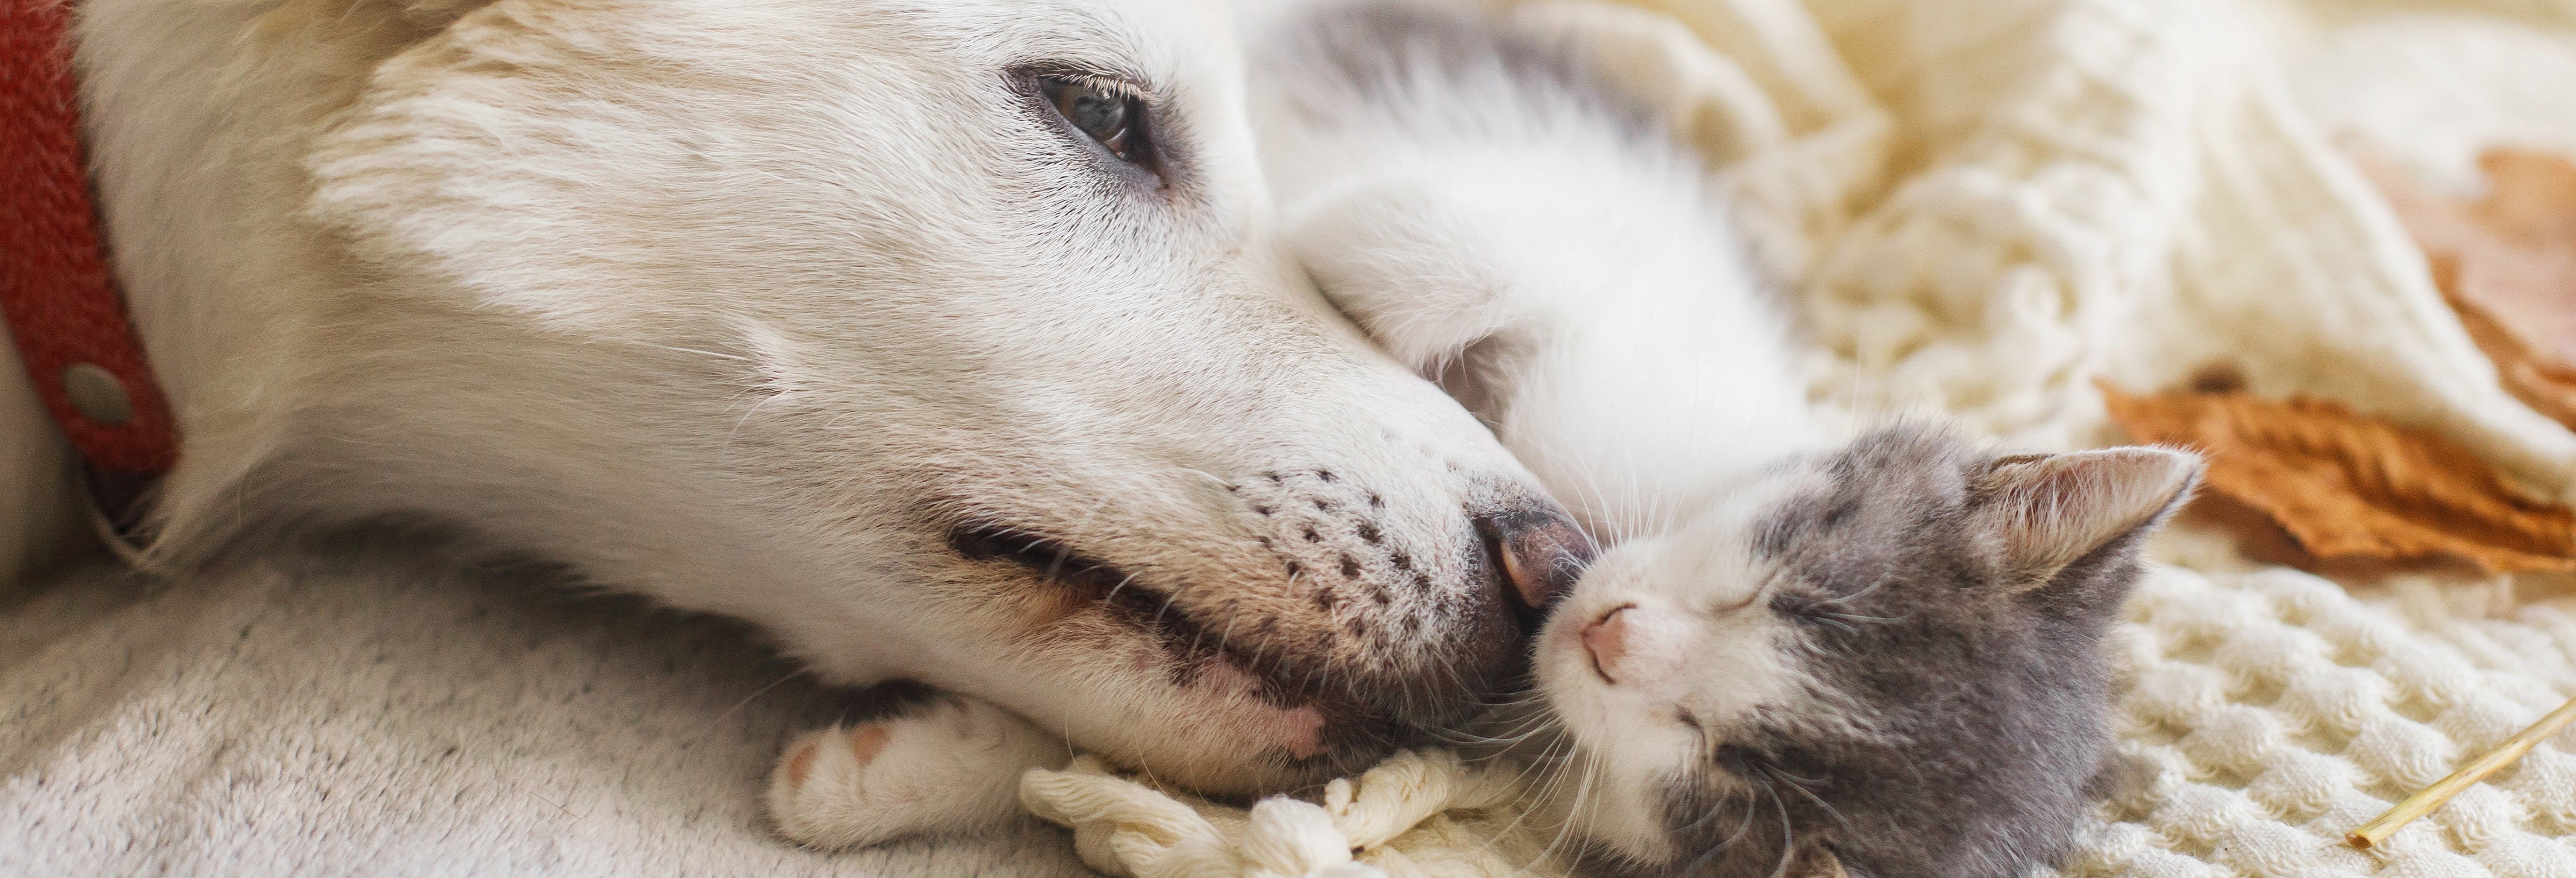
(1342, 722)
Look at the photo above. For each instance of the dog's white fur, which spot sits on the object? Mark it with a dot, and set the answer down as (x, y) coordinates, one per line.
(752, 305)
(951, 769)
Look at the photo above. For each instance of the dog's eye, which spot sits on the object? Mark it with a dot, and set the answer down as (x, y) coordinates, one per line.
(1113, 118)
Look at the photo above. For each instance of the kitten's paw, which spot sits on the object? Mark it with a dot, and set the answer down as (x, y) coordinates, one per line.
(948, 768)
(1404, 262)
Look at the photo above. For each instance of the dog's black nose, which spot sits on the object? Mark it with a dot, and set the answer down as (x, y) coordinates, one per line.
(1538, 548)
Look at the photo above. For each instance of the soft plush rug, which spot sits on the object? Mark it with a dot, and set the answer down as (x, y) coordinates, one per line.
(362, 712)
(1990, 203)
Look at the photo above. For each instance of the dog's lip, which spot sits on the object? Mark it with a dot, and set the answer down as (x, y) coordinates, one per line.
(1312, 724)
(1343, 719)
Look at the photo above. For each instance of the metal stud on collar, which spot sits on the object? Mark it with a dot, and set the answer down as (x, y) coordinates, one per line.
(97, 394)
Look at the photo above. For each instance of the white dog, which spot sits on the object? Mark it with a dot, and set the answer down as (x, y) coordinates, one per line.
(946, 341)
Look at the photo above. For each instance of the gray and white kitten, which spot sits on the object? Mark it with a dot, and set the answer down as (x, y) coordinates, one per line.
(1798, 657)
(1881, 660)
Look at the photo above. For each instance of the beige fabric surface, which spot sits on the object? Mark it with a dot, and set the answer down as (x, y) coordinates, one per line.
(355, 711)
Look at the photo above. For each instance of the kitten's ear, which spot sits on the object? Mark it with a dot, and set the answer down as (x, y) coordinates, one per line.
(1816, 861)
(2038, 513)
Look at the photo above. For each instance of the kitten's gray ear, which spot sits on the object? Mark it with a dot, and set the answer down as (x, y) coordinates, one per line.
(2037, 513)
(1815, 860)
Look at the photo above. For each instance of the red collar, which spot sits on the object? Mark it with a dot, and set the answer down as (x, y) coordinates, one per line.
(62, 306)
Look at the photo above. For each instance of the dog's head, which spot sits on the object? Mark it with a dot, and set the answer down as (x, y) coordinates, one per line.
(944, 340)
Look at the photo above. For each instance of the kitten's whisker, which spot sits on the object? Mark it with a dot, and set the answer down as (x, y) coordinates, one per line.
(1853, 617)
(1793, 781)
(1543, 791)
(1703, 820)
(1856, 595)
(1785, 775)
(1752, 807)
(1451, 736)
(1788, 833)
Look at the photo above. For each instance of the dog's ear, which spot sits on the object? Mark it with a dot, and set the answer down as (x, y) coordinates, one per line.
(2037, 513)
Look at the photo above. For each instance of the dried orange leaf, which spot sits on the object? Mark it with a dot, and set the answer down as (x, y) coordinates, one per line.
(2507, 263)
(2547, 389)
(2352, 491)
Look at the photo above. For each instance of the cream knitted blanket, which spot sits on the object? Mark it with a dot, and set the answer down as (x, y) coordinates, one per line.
(1993, 203)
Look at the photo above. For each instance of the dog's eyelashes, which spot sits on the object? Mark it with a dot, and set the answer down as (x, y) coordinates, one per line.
(1110, 116)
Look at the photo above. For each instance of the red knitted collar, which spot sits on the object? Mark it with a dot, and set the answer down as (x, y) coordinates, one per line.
(61, 305)
(55, 289)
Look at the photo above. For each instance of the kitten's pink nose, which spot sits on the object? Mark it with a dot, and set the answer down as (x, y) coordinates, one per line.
(1607, 640)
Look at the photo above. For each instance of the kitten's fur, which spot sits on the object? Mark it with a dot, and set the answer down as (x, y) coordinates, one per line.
(1875, 659)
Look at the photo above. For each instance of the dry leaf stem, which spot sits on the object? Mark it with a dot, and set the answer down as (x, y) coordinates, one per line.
(2372, 833)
